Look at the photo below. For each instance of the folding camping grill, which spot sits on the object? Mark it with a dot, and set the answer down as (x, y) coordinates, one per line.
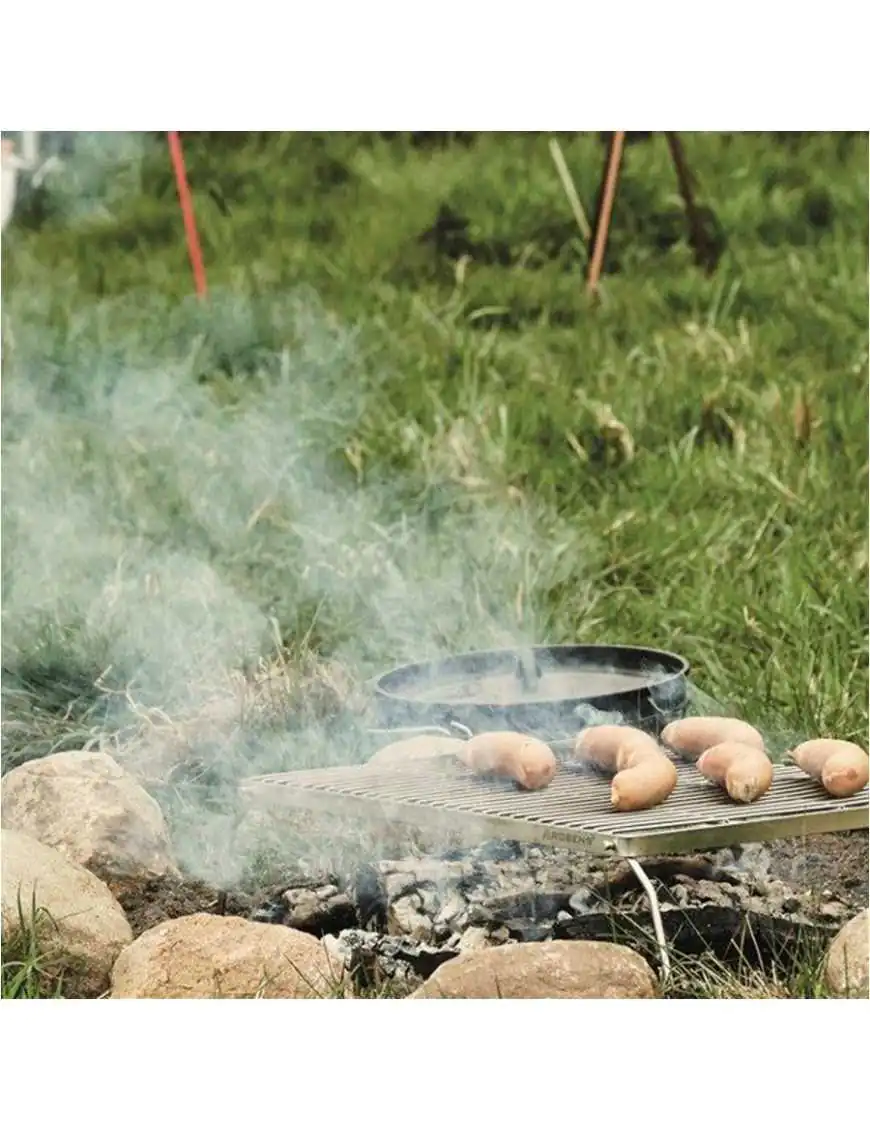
(574, 810)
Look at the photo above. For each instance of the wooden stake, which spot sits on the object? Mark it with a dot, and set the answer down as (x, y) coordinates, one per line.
(605, 208)
(697, 231)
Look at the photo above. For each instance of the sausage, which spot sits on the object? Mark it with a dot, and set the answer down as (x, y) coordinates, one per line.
(420, 748)
(526, 760)
(745, 771)
(691, 737)
(644, 775)
(607, 747)
(841, 767)
(648, 782)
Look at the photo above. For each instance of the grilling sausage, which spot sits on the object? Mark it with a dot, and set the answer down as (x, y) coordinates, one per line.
(644, 775)
(745, 771)
(420, 748)
(691, 737)
(507, 754)
(608, 747)
(649, 781)
(841, 767)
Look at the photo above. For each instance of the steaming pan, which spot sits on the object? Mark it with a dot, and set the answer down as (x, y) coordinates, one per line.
(548, 691)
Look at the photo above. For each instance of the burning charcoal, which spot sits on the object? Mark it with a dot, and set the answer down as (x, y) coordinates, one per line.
(441, 932)
(430, 901)
(308, 912)
(404, 917)
(478, 915)
(525, 930)
(451, 909)
(555, 876)
(397, 885)
(710, 892)
(355, 951)
(474, 938)
(833, 910)
(272, 912)
(532, 905)
(581, 901)
(423, 960)
(499, 850)
(369, 897)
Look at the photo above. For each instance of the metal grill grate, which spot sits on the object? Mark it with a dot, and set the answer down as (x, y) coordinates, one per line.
(573, 810)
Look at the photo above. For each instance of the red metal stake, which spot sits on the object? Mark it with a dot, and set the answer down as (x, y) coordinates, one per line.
(186, 202)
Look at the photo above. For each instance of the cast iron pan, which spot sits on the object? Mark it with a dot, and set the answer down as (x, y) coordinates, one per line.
(552, 692)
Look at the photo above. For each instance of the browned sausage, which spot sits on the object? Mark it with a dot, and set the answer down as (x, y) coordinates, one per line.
(691, 737)
(745, 771)
(649, 782)
(841, 767)
(607, 746)
(644, 775)
(422, 747)
(526, 760)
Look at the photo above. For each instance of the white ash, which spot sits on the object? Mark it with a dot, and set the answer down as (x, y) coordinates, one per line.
(397, 920)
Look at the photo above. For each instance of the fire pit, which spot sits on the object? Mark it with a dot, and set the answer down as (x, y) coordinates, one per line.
(554, 693)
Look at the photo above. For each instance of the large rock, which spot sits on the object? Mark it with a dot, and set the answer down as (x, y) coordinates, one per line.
(79, 923)
(214, 956)
(543, 970)
(86, 806)
(846, 964)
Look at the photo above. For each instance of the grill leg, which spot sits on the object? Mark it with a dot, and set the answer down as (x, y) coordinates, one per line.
(650, 892)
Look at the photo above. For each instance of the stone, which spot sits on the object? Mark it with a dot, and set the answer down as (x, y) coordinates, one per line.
(86, 806)
(222, 956)
(405, 918)
(82, 929)
(845, 971)
(556, 969)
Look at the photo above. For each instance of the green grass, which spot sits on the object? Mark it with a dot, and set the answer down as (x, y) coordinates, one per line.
(385, 437)
(31, 967)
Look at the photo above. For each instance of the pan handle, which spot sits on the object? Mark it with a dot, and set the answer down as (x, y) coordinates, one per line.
(458, 728)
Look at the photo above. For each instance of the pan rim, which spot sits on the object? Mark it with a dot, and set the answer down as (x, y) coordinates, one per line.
(385, 684)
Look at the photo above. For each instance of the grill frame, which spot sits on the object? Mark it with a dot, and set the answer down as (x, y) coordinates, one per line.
(444, 795)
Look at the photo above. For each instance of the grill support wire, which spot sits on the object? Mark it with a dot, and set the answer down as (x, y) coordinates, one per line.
(574, 810)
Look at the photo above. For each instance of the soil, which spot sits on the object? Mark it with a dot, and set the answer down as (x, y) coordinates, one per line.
(155, 900)
(833, 865)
